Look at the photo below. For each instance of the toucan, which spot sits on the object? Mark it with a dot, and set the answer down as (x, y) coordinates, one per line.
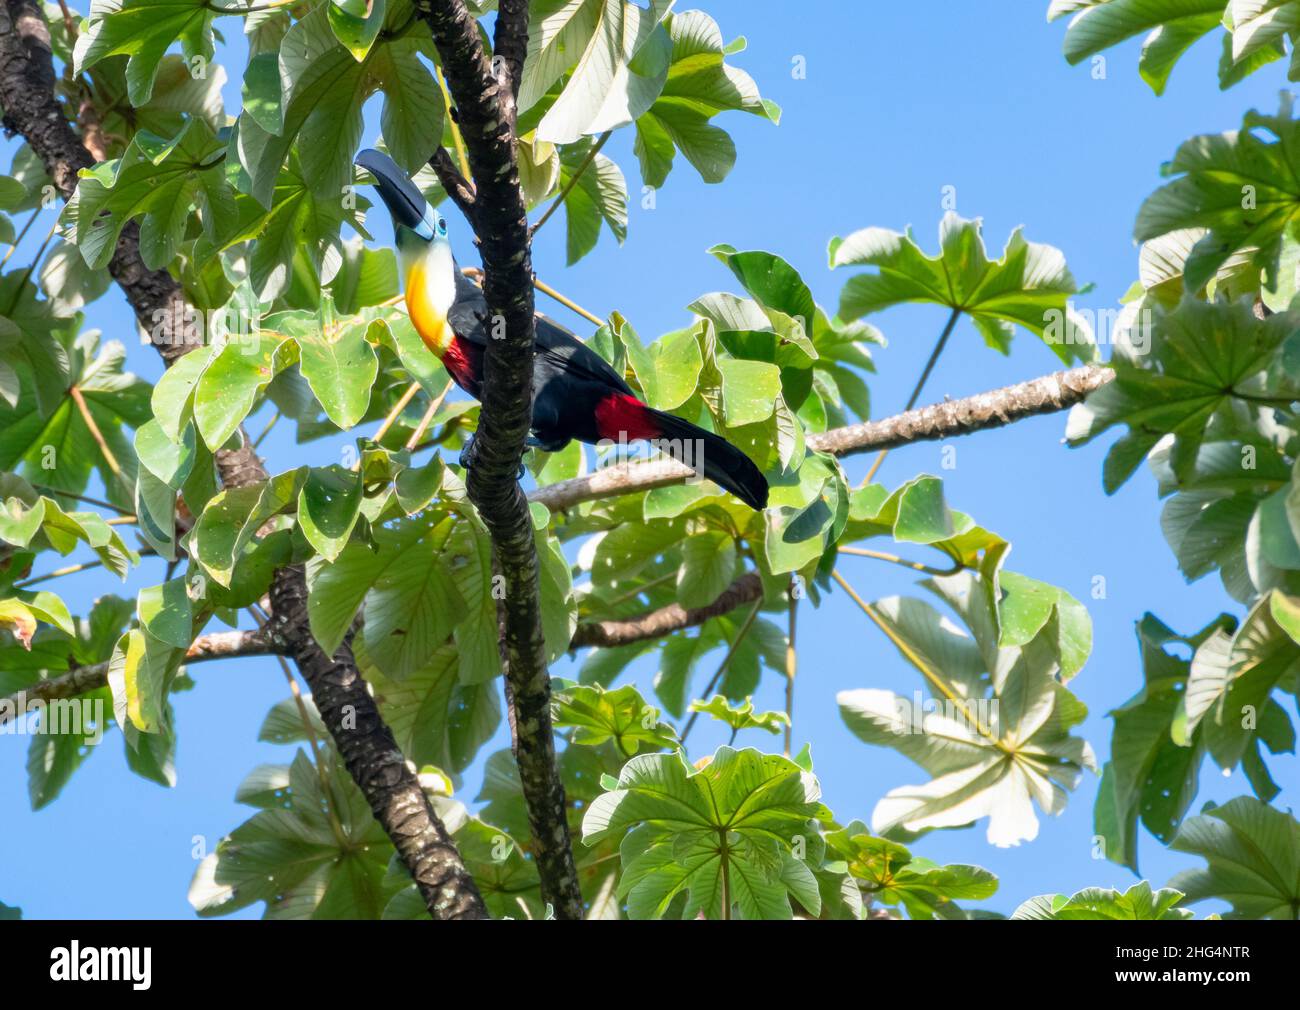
(576, 393)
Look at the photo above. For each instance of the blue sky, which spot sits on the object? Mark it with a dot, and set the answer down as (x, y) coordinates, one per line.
(899, 102)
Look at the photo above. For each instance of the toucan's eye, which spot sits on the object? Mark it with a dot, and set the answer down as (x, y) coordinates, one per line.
(442, 226)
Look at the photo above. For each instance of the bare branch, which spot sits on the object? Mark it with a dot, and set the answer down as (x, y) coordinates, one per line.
(460, 189)
(218, 645)
(993, 409)
(666, 620)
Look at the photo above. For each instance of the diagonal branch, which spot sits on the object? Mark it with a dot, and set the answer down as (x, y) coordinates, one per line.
(484, 96)
(218, 645)
(349, 711)
(993, 409)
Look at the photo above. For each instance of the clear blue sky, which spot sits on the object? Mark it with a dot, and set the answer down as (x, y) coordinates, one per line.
(899, 102)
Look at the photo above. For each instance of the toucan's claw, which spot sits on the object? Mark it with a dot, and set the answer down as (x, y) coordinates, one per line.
(468, 454)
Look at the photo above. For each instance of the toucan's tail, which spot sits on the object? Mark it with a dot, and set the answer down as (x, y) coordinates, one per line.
(714, 456)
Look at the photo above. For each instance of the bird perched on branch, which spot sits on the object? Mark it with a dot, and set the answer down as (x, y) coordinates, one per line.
(576, 394)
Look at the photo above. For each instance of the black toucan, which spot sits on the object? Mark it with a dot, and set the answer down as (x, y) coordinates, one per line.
(576, 394)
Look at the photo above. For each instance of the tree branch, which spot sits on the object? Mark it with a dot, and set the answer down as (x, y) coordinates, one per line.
(456, 186)
(993, 409)
(368, 747)
(79, 680)
(666, 620)
(485, 108)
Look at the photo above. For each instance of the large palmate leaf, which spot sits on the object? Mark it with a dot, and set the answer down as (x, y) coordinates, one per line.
(144, 30)
(57, 448)
(312, 852)
(621, 715)
(722, 835)
(1029, 286)
(72, 729)
(700, 84)
(1138, 902)
(1232, 679)
(312, 92)
(1174, 26)
(1252, 853)
(613, 57)
(1241, 185)
(1256, 30)
(424, 580)
(891, 875)
(1204, 358)
(158, 180)
(1152, 773)
(437, 719)
(996, 736)
(600, 195)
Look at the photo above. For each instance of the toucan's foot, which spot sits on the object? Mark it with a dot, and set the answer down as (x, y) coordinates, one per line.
(468, 454)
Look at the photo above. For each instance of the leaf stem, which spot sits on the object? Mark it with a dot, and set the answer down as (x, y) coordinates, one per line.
(44, 489)
(573, 181)
(914, 658)
(917, 566)
(98, 436)
(275, 418)
(427, 419)
(722, 667)
(393, 414)
(21, 235)
(457, 140)
(791, 666)
(920, 383)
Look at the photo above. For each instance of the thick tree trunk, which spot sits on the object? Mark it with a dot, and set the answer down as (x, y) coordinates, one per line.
(347, 709)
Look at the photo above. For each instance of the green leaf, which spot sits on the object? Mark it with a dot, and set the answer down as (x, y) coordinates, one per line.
(700, 85)
(1240, 185)
(894, 876)
(615, 55)
(1174, 25)
(622, 715)
(997, 735)
(1154, 767)
(312, 94)
(1232, 677)
(234, 516)
(319, 854)
(749, 390)
(708, 567)
(357, 23)
(1204, 358)
(1138, 902)
(232, 380)
(158, 180)
(667, 370)
(740, 716)
(1029, 286)
(600, 195)
(723, 829)
(166, 613)
(340, 366)
(328, 507)
(1252, 852)
(143, 30)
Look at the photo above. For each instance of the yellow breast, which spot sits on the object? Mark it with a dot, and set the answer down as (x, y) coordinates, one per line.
(428, 320)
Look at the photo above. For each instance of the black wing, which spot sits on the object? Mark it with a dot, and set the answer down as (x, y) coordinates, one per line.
(561, 348)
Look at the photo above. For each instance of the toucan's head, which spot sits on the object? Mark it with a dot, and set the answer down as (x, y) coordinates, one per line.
(429, 273)
(411, 212)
